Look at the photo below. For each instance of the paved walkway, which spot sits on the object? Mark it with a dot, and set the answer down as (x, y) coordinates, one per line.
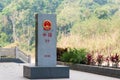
(14, 71)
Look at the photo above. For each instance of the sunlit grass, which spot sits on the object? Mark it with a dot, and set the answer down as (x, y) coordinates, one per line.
(105, 43)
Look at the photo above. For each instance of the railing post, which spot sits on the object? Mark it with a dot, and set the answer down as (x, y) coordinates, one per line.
(16, 52)
(29, 59)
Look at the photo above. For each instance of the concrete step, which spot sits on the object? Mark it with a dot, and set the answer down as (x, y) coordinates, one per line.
(11, 60)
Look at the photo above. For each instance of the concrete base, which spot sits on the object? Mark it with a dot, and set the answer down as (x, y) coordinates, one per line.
(36, 72)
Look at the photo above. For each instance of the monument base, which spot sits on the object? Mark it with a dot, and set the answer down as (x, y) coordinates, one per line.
(36, 72)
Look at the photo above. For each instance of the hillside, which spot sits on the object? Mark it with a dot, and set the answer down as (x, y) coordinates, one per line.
(91, 24)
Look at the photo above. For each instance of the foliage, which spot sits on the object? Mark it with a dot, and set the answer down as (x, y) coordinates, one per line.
(60, 52)
(115, 58)
(101, 2)
(107, 59)
(17, 20)
(100, 59)
(89, 59)
(88, 20)
(3, 39)
(75, 56)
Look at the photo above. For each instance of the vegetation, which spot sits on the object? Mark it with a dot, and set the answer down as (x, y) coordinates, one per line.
(17, 23)
(89, 59)
(90, 24)
(82, 56)
(115, 59)
(75, 56)
(100, 59)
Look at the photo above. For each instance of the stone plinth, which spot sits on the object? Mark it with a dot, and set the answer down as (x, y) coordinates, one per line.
(36, 72)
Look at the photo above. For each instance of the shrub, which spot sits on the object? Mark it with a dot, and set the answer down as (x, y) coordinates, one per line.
(75, 56)
(66, 56)
(115, 60)
(89, 58)
(99, 59)
(107, 59)
(60, 51)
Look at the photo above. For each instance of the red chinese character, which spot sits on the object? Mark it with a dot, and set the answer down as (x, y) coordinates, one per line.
(49, 34)
(44, 34)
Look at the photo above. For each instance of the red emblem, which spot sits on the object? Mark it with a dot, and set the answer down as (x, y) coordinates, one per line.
(47, 25)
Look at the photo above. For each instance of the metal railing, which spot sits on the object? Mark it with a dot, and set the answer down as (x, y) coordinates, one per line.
(14, 53)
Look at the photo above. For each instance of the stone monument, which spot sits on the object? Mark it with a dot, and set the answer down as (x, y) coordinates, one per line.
(45, 63)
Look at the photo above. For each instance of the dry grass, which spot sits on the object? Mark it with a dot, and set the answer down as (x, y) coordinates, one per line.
(106, 43)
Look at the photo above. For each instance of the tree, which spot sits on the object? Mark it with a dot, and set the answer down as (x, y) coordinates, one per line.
(68, 13)
(101, 2)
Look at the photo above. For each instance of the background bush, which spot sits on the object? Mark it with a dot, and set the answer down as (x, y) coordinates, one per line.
(75, 56)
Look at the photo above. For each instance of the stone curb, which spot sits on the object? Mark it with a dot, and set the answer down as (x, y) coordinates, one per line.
(107, 71)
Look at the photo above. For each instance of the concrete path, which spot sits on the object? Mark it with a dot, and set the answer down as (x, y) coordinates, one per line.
(14, 71)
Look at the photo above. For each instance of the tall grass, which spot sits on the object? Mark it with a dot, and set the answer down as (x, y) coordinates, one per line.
(106, 44)
(96, 35)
